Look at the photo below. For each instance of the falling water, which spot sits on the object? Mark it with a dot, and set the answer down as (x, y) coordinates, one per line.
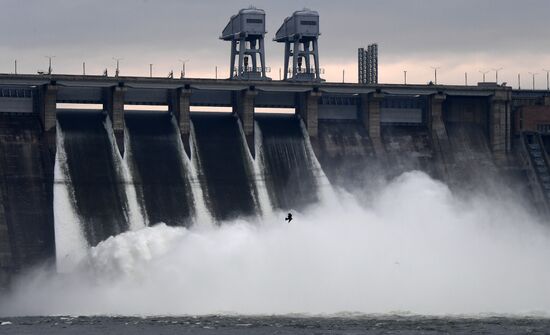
(260, 194)
(325, 190)
(290, 170)
(70, 243)
(203, 217)
(135, 216)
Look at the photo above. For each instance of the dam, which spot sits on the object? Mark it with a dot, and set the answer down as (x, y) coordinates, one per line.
(124, 169)
(84, 158)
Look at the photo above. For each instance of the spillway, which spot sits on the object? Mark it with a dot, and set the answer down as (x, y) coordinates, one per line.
(224, 167)
(98, 184)
(291, 172)
(346, 153)
(472, 160)
(156, 163)
(409, 148)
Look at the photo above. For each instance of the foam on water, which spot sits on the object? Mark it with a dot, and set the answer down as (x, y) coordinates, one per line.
(416, 247)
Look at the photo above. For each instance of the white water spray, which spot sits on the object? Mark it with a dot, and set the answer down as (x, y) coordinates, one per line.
(260, 196)
(416, 248)
(325, 190)
(70, 244)
(203, 217)
(135, 217)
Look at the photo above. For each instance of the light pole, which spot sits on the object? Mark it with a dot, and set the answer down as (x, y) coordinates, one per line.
(216, 72)
(49, 63)
(547, 79)
(519, 81)
(151, 70)
(533, 74)
(405, 77)
(183, 62)
(343, 76)
(117, 71)
(484, 73)
(465, 78)
(83, 68)
(435, 68)
(496, 73)
(16, 66)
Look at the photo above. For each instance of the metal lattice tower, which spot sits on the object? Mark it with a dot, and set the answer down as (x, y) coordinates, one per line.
(367, 64)
(246, 31)
(362, 66)
(300, 33)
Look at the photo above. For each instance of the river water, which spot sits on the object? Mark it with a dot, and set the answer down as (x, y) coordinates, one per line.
(216, 324)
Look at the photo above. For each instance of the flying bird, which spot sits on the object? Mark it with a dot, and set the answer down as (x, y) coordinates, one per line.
(289, 217)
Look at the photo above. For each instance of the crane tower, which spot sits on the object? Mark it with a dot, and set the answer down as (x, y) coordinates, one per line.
(300, 32)
(246, 32)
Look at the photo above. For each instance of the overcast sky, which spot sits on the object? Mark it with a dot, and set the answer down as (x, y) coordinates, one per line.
(413, 35)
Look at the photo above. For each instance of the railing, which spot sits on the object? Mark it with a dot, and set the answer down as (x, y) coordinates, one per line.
(536, 162)
(251, 69)
(305, 70)
(15, 93)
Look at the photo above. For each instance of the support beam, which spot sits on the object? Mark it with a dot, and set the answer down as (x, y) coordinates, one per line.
(436, 124)
(113, 103)
(179, 106)
(6, 266)
(243, 107)
(499, 124)
(47, 109)
(308, 109)
(369, 114)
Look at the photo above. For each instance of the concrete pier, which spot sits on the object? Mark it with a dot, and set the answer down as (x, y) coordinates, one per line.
(243, 107)
(179, 107)
(47, 109)
(369, 113)
(48, 106)
(114, 105)
(438, 131)
(5, 248)
(499, 124)
(26, 193)
(308, 109)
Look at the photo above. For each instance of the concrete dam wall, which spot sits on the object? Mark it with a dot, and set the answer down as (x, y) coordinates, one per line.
(155, 178)
(26, 194)
(70, 179)
(158, 169)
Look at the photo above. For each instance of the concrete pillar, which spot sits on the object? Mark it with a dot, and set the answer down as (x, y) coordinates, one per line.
(436, 124)
(308, 109)
(114, 105)
(244, 108)
(499, 124)
(436, 121)
(180, 105)
(6, 266)
(369, 114)
(48, 107)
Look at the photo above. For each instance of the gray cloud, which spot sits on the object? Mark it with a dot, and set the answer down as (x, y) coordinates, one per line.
(144, 29)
